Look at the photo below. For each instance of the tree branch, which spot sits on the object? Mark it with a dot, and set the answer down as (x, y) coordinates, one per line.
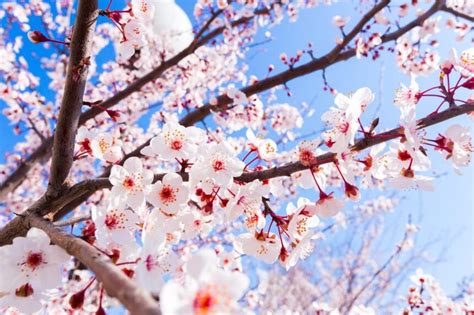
(290, 168)
(44, 150)
(76, 78)
(458, 14)
(46, 204)
(334, 56)
(73, 220)
(115, 282)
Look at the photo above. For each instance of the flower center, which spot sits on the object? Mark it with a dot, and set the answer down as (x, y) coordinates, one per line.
(34, 260)
(344, 127)
(103, 146)
(204, 301)
(403, 155)
(128, 182)
(306, 157)
(149, 263)
(176, 145)
(218, 165)
(167, 194)
(111, 221)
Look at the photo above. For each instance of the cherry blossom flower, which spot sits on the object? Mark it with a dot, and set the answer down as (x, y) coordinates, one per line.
(266, 148)
(142, 9)
(217, 162)
(160, 228)
(381, 19)
(133, 39)
(455, 144)
(429, 28)
(238, 97)
(105, 147)
(285, 118)
(175, 142)
(340, 21)
(465, 63)
(406, 98)
(115, 228)
(327, 206)
(229, 260)
(375, 163)
(154, 264)
(222, 4)
(169, 194)
(207, 289)
(301, 221)
(259, 245)
(305, 179)
(343, 119)
(300, 250)
(102, 146)
(32, 260)
(247, 199)
(25, 299)
(130, 183)
(29, 267)
(194, 223)
(307, 151)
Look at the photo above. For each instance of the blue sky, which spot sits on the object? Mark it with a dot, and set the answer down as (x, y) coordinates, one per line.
(447, 212)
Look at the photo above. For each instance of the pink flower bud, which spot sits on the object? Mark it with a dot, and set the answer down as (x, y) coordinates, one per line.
(469, 84)
(77, 299)
(447, 66)
(37, 37)
(115, 115)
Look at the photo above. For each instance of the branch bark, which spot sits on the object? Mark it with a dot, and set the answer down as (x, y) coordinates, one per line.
(70, 111)
(46, 204)
(458, 14)
(115, 282)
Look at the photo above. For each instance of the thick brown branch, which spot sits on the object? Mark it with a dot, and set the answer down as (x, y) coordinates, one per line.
(115, 282)
(73, 220)
(46, 204)
(290, 168)
(76, 78)
(458, 14)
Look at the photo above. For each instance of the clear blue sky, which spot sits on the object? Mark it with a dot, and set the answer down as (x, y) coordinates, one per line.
(446, 213)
